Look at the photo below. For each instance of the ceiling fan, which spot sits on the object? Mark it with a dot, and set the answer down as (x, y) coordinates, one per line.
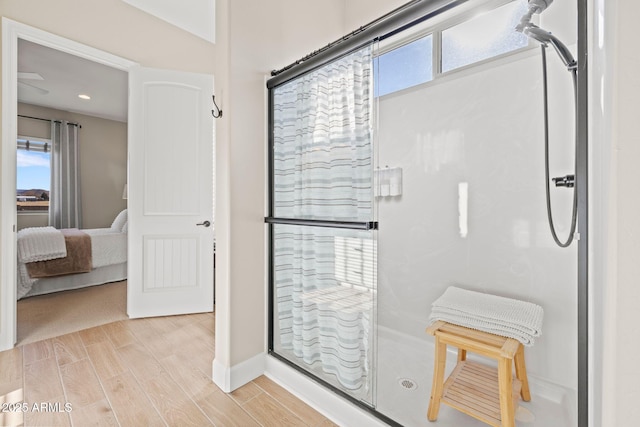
(31, 76)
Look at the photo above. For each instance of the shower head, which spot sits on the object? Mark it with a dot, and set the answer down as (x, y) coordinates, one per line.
(539, 5)
(546, 38)
(535, 6)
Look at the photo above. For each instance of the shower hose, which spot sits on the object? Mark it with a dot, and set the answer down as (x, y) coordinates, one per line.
(574, 212)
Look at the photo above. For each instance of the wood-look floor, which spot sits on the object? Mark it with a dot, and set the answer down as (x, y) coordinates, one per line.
(144, 372)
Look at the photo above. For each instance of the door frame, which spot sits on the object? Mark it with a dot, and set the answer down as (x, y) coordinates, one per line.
(11, 32)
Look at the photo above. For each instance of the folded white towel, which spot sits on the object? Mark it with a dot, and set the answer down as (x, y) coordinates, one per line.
(490, 313)
(40, 244)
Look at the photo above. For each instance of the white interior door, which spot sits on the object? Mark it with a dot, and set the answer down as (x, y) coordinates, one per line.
(170, 200)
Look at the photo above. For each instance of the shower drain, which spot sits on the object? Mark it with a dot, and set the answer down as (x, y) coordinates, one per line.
(408, 383)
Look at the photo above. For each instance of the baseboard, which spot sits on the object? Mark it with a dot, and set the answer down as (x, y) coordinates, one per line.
(234, 377)
(329, 404)
(221, 376)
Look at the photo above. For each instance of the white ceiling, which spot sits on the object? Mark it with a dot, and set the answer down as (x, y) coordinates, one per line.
(66, 76)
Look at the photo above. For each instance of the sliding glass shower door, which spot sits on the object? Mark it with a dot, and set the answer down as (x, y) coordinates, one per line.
(323, 248)
(461, 203)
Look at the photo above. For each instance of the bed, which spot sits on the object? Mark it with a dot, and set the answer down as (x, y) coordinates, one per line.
(51, 260)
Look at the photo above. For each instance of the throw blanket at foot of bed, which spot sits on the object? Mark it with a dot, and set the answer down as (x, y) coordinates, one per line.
(78, 259)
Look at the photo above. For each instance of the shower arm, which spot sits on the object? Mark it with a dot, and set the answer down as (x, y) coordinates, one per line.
(535, 7)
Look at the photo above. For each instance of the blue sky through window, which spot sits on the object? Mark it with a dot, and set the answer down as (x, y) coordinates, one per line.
(483, 36)
(33, 170)
(403, 67)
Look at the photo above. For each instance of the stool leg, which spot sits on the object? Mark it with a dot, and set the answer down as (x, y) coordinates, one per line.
(462, 355)
(505, 381)
(521, 374)
(438, 379)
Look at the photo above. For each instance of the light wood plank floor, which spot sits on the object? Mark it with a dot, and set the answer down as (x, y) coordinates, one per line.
(143, 372)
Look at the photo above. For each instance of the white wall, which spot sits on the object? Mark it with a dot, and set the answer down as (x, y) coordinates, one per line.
(145, 39)
(261, 36)
(361, 12)
(627, 146)
(615, 144)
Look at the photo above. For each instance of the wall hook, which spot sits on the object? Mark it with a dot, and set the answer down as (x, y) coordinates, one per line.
(213, 112)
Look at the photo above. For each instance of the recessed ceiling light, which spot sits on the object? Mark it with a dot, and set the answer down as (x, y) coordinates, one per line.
(83, 96)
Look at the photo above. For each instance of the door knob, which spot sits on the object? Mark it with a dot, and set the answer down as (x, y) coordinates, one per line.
(205, 223)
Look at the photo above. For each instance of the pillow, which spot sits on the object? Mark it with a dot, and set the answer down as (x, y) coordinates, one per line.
(125, 228)
(119, 222)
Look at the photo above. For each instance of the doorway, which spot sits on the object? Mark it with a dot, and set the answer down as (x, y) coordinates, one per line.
(13, 32)
(166, 223)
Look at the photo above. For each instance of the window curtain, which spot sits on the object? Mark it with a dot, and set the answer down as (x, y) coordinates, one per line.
(323, 171)
(65, 204)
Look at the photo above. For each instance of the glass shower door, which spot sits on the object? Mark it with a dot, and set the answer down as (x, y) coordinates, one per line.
(323, 248)
(460, 200)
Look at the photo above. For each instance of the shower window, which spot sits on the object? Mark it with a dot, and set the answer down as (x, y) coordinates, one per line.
(405, 66)
(485, 36)
(427, 51)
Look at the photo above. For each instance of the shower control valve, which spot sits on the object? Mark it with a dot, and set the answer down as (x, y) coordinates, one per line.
(565, 181)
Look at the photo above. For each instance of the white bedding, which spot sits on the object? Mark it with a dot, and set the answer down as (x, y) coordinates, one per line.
(108, 247)
(97, 276)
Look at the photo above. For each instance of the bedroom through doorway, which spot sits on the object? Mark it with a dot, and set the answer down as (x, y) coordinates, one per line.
(60, 96)
(170, 240)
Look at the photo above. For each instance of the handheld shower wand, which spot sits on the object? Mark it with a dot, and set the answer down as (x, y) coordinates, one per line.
(546, 38)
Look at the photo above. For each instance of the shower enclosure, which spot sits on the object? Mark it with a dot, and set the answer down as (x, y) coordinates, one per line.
(413, 163)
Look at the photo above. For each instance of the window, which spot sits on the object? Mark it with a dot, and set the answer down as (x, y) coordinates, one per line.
(33, 180)
(448, 45)
(405, 66)
(485, 36)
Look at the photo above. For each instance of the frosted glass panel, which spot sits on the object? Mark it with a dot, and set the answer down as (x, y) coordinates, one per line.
(403, 67)
(324, 287)
(485, 36)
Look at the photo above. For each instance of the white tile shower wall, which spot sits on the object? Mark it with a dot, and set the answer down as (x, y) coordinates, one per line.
(484, 129)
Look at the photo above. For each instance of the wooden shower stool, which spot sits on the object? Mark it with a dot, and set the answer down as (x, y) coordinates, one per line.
(481, 391)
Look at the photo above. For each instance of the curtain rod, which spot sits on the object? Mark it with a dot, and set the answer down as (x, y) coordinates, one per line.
(343, 38)
(404, 16)
(48, 120)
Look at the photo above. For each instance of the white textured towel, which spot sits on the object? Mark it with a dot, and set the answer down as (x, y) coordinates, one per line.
(490, 313)
(40, 244)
